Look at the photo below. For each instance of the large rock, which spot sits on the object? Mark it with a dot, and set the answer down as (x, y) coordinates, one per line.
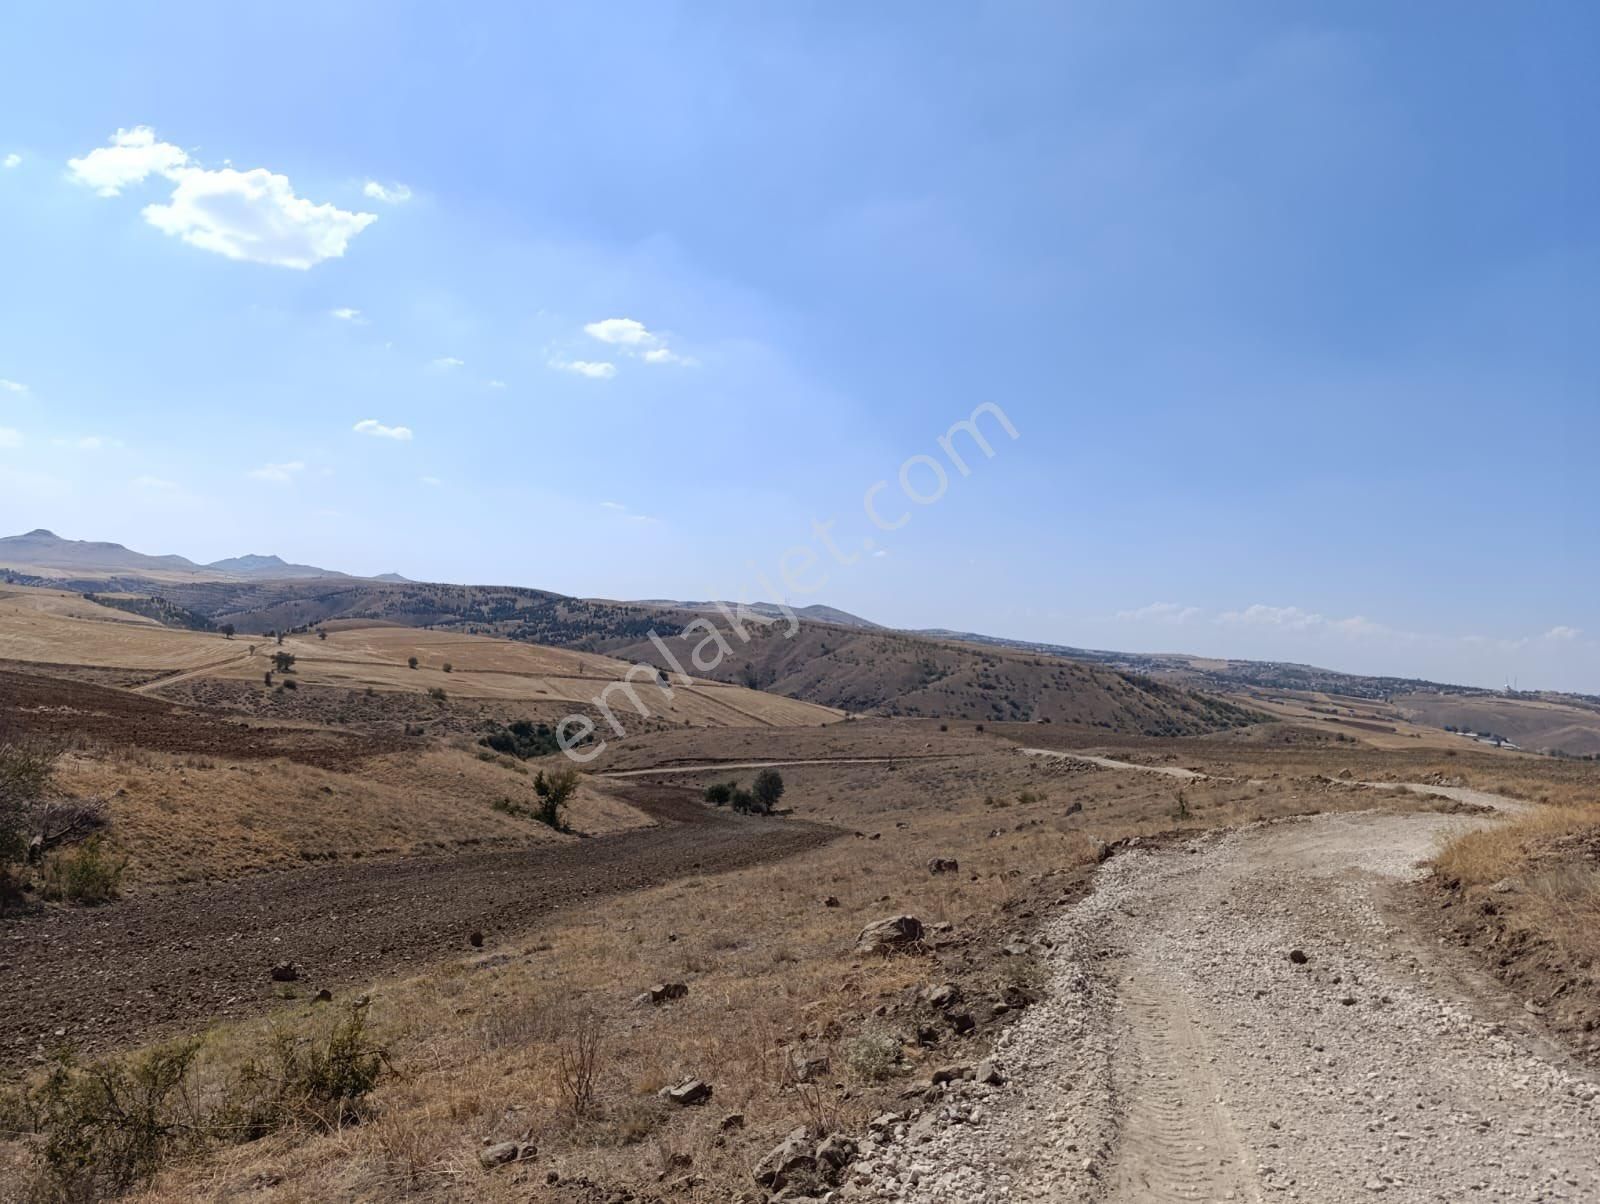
(886, 935)
(807, 1068)
(687, 1093)
(792, 1156)
(943, 865)
(833, 1154)
(665, 992)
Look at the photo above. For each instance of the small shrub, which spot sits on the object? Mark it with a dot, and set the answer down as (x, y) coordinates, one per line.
(719, 793)
(87, 874)
(872, 1056)
(321, 1081)
(412, 661)
(448, 667)
(578, 1069)
(109, 1126)
(283, 661)
(437, 694)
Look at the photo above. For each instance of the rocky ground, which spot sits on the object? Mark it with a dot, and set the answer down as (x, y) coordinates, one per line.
(1240, 1017)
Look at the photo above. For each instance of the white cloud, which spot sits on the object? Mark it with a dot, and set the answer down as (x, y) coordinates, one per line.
(371, 426)
(446, 362)
(345, 314)
(593, 370)
(246, 215)
(13, 386)
(495, 384)
(1563, 633)
(634, 338)
(11, 160)
(431, 482)
(613, 505)
(255, 216)
(391, 194)
(1159, 612)
(10, 437)
(279, 474)
(154, 484)
(89, 443)
(132, 156)
(623, 332)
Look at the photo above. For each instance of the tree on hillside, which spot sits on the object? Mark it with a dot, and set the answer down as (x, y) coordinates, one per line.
(284, 661)
(227, 631)
(412, 661)
(555, 791)
(768, 789)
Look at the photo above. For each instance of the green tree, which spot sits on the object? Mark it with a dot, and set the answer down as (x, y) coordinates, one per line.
(719, 793)
(767, 789)
(555, 791)
(283, 661)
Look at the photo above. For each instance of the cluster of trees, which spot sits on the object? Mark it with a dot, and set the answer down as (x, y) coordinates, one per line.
(759, 799)
(522, 739)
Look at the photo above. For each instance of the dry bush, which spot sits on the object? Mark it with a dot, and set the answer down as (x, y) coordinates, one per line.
(579, 1054)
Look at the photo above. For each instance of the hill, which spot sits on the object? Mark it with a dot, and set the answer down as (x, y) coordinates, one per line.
(816, 612)
(273, 567)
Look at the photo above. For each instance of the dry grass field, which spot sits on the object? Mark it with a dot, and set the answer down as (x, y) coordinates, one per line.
(356, 792)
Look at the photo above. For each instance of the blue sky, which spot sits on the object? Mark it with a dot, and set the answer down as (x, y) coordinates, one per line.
(1292, 309)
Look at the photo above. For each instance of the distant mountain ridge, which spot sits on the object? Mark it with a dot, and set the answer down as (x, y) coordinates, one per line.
(43, 549)
(816, 612)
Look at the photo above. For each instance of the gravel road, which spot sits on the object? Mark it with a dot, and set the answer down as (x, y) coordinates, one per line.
(1182, 1054)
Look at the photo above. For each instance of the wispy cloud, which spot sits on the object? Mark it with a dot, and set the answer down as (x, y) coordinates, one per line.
(12, 386)
(431, 482)
(250, 215)
(1563, 633)
(155, 484)
(447, 363)
(1159, 612)
(278, 474)
(389, 194)
(371, 426)
(594, 370)
(494, 384)
(346, 314)
(10, 437)
(11, 160)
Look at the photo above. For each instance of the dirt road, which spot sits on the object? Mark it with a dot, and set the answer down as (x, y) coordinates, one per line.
(1182, 1053)
(176, 960)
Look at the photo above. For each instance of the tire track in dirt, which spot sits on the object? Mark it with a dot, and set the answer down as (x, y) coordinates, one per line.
(175, 960)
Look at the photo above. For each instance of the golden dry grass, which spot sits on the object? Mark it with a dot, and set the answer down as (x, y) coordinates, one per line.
(769, 968)
(188, 819)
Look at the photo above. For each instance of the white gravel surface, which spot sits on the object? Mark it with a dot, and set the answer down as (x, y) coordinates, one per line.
(1180, 1054)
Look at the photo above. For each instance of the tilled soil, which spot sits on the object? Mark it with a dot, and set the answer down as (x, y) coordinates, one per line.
(176, 960)
(69, 711)
(1182, 1053)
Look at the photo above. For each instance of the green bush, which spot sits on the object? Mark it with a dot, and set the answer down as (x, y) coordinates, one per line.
(872, 1057)
(319, 1081)
(110, 1126)
(87, 874)
(768, 789)
(554, 793)
(719, 793)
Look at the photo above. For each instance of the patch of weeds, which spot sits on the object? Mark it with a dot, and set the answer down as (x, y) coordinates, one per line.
(87, 874)
(872, 1056)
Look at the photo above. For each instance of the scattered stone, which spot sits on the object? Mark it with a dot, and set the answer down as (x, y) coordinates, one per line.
(951, 1074)
(503, 1152)
(323, 996)
(793, 1155)
(1298, 957)
(689, 1093)
(831, 901)
(961, 1022)
(943, 996)
(475, 939)
(990, 1074)
(732, 1122)
(808, 1069)
(943, 865)
(834, 1153)
(285, 972)
(886, 935)
(665, 992)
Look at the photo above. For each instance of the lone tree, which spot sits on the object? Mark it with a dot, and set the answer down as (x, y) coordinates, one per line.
(283, 661)
(554, 791)
(321, 634)
(768, 789)
(412, 661)
(227, 631)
